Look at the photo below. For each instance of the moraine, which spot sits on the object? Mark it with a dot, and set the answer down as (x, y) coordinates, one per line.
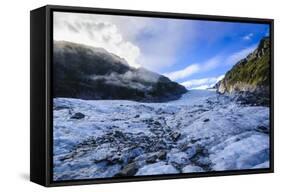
(202, 131)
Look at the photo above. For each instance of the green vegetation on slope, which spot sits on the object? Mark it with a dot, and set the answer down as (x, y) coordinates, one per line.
(249, 79)
(255, 70)
(250, 73)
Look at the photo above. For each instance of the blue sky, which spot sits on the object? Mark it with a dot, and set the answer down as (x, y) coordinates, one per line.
(192, 52)
(212, 46)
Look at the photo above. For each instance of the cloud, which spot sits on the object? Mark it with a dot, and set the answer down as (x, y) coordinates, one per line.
(203, 83)
(194, 68)
(211, 64)
(152, 43)
(162, 40)
(237, 56)
(96, 31)
(183, 73)
(248, 37)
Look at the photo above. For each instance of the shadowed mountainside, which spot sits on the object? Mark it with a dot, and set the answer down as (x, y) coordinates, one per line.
(86, 72)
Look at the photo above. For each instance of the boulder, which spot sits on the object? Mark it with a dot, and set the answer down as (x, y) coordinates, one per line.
(78, 116)
(128, 170)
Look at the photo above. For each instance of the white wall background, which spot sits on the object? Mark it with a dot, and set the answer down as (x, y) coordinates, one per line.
(14, 95)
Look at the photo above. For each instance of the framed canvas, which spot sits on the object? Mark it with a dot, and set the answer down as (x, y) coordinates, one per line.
(123, 95)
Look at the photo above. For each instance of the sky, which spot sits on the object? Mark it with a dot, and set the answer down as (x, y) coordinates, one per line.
(194, 53)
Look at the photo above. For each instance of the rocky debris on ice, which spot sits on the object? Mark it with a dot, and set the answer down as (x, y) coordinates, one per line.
(124, 138)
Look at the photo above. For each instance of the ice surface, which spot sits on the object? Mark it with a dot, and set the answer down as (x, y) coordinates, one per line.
(202, 131)
(192, 169)
(157, 169)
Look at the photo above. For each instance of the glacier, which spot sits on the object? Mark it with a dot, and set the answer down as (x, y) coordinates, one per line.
(200, 132)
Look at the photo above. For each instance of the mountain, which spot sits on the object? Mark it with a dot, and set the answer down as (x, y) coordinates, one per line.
(86, 72)
(250, 77)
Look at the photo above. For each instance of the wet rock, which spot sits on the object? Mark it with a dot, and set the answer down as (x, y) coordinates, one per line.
(129, 170)
(78, 116)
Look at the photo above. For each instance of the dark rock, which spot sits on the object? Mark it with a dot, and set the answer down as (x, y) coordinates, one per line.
(262, 129)
(137, 116)
(192, 141)
(61, 107)
(206, 120)
(162, 155)
(78, 116)
(157, 123)
(151, 158)
(129, 170)
(118, 134)
(257, 98)
(115, 159)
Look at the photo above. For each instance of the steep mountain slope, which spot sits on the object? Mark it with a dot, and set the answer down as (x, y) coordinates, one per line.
(93, 73)
(250, 76)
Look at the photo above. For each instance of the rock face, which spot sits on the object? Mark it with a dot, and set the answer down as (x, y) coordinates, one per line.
(250, 76)
(93, 73)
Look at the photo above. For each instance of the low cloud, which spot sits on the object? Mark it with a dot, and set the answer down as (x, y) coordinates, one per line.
(194, 68)
(203, 83)
(136, 79)
(183, 73)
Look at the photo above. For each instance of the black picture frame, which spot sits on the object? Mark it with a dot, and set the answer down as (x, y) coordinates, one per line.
(41, 132)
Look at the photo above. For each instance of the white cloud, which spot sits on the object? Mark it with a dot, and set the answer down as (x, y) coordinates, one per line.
(96, 31)
(122, 35)
(183, 73)
(195, 68)
(203, 83)
(211, 63)
(237, 56)
(248, 37)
